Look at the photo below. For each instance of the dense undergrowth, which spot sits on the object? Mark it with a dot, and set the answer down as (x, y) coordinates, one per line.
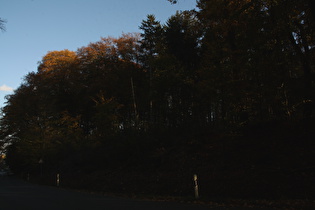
(272, 160)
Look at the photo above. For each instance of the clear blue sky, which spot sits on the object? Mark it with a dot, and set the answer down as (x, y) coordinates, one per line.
(35, 27)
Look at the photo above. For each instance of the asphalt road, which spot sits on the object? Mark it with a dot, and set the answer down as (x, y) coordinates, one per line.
(19, 195)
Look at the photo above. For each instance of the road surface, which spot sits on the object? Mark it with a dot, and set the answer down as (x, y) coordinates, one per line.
(19, 195)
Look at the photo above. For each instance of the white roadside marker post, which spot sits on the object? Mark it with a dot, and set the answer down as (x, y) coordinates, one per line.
(58, 180)
(196, 186)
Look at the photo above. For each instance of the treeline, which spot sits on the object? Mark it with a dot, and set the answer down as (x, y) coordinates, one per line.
(228, 65)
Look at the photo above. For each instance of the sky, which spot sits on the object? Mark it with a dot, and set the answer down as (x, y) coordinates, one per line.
(35, 27)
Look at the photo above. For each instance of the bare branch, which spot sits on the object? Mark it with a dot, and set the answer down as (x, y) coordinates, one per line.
(172, 1)
(2, 24)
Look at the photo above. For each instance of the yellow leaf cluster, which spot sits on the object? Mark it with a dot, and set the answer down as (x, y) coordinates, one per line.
(57, 60)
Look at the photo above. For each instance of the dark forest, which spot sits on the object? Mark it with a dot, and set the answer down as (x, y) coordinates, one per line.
(225, 91)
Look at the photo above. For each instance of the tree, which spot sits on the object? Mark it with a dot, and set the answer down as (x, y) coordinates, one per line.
(128, 47)
(35, 127)
(151, 47)
(40, 118)
(182, 34)
(171, 56)
(109, 62)
(151, 37)
(58, 61)
(255, 53)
